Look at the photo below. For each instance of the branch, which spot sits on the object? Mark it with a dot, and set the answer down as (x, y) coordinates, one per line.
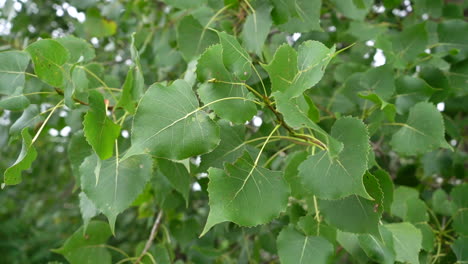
(148, 244)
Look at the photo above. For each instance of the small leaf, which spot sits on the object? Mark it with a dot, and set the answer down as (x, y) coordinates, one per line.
(99, 130)
(12, 67)
(210, 65)
(245, 194)
(407, 241)
(169, 124)
(121, 181)
(423, 131)
(84, 247)
(293, 248)
(334, 178)
(177, 175)
(26, 157)
(48, 56)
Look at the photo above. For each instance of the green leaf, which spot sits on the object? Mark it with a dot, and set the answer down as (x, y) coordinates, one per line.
(376, 249)
(12, 67)
(98, 26)
(26, 157)
(210, 65)
(423, 131)
(401, 196)
(78, 150)
(169, 124)
(428, 7)
(386, 185)
(380, 80)
(352, 214)
(309, 225)
(121, 181)
(334, 178)
(230, 147)
(292, 73)
(29, 118)
(88, 210)
(291, 173)
(48, 57)
(78, 84)
(365, 31)
(407, 241)
(193, 38)
(303, 16)
(416, 211)
(460, 248)
(428, 236)
(126, 99)
(235, 58)
(185, 4)
(17, 101)
(410, 43)
(411, 90)
(460, 222)
(79, 49)
(245, 194)
(293, 248)
(84, 247)
(177, 175)
(441, 203)
(256, 28)
(99, 130)
(350, 242)
(350, 10)
(459, 195)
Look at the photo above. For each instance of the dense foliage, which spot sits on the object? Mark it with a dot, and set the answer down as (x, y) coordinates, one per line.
(235, 131)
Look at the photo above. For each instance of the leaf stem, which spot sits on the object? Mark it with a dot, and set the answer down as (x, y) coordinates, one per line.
(278, 153)
(99, 80)
(148, 244)
(317, 215)
(59, 104)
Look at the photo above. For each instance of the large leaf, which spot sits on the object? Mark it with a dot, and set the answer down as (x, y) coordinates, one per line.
(407, 241)
(294, 72)
(85, 246)
(423, 131)
(193, 38)
(256, 28)
(26, 157)
(120, 182)
(235, 58)
(169, 124)
(99, 130)
(12, 67)
(334, 178)
(295, 248)
(48, 56)
(210, 65)
(245, 194)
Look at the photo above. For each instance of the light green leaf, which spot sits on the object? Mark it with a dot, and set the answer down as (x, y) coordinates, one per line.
(245, 194)
(411, 90)
(350, 10)
(460, 222)
(88, 210)
(177, 175)
(30, 118)
(401, 196)
(12, 67)
(229, 149)
(235, 58)
(210, 65)
(256, 28)
(428, 7)
(410, 43)
(334, 178)
(185, 4)
(291, 173)
(99, 130)
(441, 203)
(292, 73)
(126, 99)
(350, 242)
(376, 249)
(78, 84)
(294, 248)
(78, 150)
(352, 214)
(459, 195)
(303, 16)
(120, 182)
(423, 131)
(386, 185)
(363, 31)
(26, 157)
(428, 236)
(48, 57)
(407, 241)
(169, 124)
(79, 49)
(309, 225)
(460, 248)
(98, 26)
(17, 101)
(193, 38)
(380, 80)
(416, 211)
(84, 247)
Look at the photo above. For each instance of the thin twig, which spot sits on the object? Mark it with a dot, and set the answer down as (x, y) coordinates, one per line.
(154, 229)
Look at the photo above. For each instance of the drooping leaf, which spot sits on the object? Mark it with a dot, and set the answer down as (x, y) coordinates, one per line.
(120, 182)
(256, 28)
(423, 131)
(84, 246)
(293, 247)
(99, 130)
(169, 124)
(334, 178)
(210, 65)
(29, 118)
(177, 175)
(193, 38)
(294, 72)
(48, 56)
(230, 147)
(407, 241)
(79, 49)
(26, 157)
(88, 210)
(245, 194)
(12, 67)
